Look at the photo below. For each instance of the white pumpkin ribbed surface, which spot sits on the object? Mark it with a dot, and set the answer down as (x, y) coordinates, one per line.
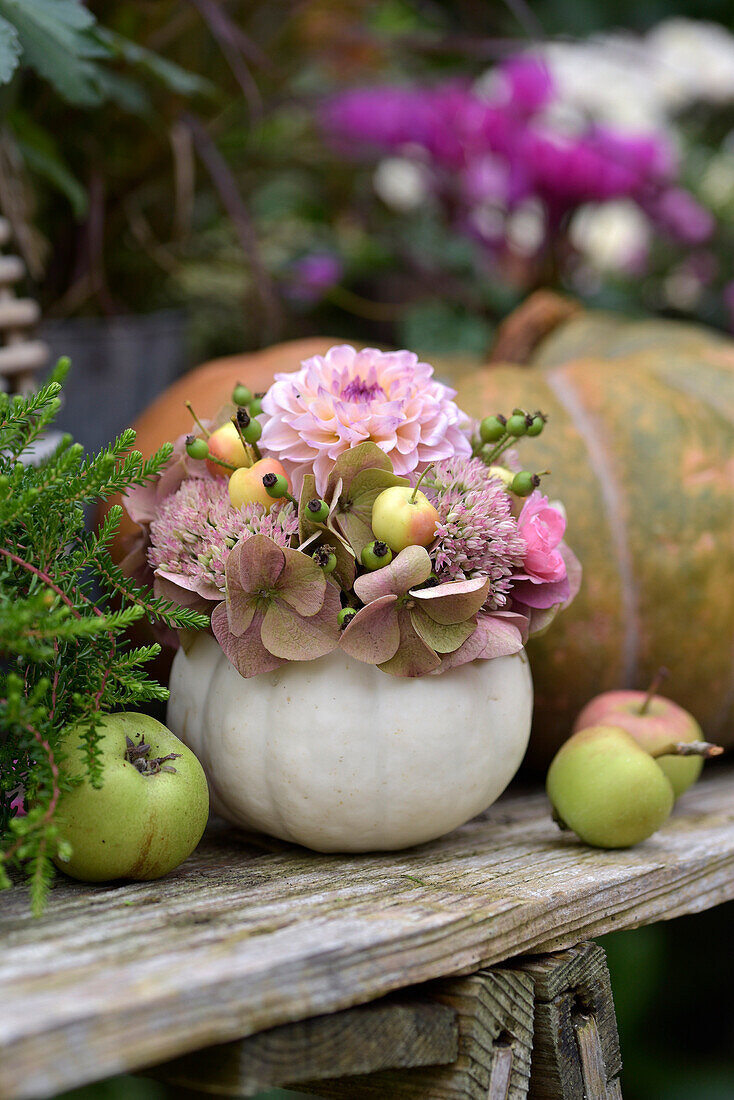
(340, 757)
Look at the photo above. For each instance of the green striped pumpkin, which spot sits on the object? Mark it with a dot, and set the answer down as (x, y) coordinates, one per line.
(640, 442)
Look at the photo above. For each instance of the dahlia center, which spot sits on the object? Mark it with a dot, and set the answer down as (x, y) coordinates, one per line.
(359, 390)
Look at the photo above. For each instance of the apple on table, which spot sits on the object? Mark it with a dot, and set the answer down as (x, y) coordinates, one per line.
(150, 811)
(654, 722)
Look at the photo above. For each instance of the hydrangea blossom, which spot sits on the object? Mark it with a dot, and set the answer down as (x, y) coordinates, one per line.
(346, 397)
(477, 533)
(196, 528)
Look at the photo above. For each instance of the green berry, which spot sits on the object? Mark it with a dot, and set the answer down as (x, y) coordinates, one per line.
(325, 558)
(317, 510)
(255, 406)
(537, 425)
(375, 555)
(276, 486)
(517, 425)
(523, 483)
(491, 429)
(241, 395)
(345, 616)
(196, 448)
(253, 431)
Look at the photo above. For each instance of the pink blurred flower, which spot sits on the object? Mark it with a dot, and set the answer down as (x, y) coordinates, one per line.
(339, 400)
(543, 579)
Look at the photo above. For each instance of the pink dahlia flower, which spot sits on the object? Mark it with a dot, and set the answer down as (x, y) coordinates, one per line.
(338, 400)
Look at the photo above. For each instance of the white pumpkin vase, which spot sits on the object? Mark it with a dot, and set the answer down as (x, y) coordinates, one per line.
(341, 757)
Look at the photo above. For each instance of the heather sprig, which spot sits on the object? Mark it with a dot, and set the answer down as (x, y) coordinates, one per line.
(63, 655)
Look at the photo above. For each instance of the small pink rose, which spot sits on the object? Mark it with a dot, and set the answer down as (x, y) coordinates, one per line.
(542, 528)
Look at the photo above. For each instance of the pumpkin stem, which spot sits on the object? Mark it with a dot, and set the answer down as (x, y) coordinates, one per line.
(662, 674)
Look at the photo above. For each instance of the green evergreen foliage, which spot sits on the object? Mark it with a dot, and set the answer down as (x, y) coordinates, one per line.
(63, 655)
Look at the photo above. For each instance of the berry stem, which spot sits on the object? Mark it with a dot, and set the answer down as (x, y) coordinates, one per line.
(190, 407)
(688, 748)
(411, 498)
(220, 462)
(662, 674)
(250, 448)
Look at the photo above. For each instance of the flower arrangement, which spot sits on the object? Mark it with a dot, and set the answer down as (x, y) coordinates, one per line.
(354, 506)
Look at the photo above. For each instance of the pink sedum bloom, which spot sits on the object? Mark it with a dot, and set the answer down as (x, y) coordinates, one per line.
(543, 579)
(339, 400)
(196, 528)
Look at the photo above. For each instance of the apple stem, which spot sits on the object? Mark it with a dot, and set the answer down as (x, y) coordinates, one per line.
(662, 674)
(138, 756)
(411, 498)
(688, 748)
(190, 407)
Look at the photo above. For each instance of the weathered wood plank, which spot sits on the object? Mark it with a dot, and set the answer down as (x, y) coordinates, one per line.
(248, 935)
(391, 1032)
(576, 1052)
(494, 1010)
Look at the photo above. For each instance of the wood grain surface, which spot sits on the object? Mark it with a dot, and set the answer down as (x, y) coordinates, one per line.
(249, 934)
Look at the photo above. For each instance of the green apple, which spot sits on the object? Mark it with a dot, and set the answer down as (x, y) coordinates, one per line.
(654, 722)
(403, 516)
(606, 788)
(148, 815)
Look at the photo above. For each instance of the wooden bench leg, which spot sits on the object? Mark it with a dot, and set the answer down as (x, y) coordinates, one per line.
(576, 1052)
(459, 1039)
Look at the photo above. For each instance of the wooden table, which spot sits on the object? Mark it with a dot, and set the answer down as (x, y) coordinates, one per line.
(251, 935)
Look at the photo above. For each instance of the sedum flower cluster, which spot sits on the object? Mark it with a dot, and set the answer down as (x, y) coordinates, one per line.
(361, 510)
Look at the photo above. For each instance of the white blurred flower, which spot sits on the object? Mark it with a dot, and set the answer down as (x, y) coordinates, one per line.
(614, 236)
(683, 290)
(525, 228)
(694, 60)
(607, 80)
(717, 182)
(402, 184)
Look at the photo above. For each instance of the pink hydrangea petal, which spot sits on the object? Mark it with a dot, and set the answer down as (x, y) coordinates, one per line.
(494, 637)
(373, 635)
(412, 657)
(453, 601)
(411, 567)
(198, 584)
(255, 564)
(302, 583)
(246, 651)
(290, 636)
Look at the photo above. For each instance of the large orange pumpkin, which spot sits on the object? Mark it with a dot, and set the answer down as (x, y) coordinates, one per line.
(641, 446)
